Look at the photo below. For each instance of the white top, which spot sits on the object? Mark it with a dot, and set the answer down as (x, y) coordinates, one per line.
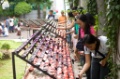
(11, 23)
(102, 49)
(19, 29)
(51, 18)
(6, 31)
(0, 27)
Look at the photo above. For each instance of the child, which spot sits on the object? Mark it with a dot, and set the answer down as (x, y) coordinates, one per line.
(6, 33)
(19, 31)
(0, 29)
(100, 53)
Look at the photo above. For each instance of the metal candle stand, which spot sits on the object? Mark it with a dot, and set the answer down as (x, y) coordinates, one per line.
(40, 42)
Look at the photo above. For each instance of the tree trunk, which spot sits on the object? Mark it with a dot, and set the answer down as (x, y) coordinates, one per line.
(101, 17)
(118, 54)
(38, 11)
(83, 3)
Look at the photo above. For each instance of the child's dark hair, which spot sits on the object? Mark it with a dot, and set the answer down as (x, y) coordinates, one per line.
(90, 39)
(74, 8)
(80, 9)
(91, 19)
(51, 11)
(84, 19)
(19, 24)
(70, 14)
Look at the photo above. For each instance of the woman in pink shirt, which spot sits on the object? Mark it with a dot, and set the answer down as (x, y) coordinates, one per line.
(86, 27)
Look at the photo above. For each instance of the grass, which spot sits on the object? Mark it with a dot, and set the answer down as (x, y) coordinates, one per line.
(6, 65)
(13, 44)
(6, 68)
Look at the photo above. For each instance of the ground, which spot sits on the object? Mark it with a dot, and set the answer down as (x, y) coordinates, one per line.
(25, 34)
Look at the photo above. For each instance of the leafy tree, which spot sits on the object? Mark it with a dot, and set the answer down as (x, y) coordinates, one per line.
(73, 3)
(112, 30)
(22, 8)
(2, 1)
(92, 7)
(44, 3)
(15, 0)
(1, 10)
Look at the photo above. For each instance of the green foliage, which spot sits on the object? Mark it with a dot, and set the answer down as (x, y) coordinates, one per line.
(96, 27)
(1, 55)
(113, 22)
(112, 30)
(8, 12)
(92, 7)
(15, 0)
(114, 68)
(41, 3)
(74, 2)
(5, 46)
(1, 10)
(5, 54)
(13, 44)
(22, 8)
(6, 68)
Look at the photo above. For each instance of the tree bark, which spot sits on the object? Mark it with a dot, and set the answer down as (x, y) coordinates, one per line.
(83, 3)
(101, 17)
(38, 11)
(118, 54)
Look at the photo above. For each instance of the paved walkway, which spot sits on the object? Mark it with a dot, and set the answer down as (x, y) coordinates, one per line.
(26, 34)
(76, 67)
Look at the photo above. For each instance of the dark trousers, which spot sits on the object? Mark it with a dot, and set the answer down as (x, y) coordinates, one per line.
(98, 71)
(88, 74)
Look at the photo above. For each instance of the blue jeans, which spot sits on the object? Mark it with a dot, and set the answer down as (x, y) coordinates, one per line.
(68, 37)
(98, 71)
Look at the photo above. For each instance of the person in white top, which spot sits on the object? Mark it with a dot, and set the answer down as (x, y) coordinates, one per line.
(19, 31)
(0, 29)
(97, 49)
(11, 28)
(6, 33)
(51, 16)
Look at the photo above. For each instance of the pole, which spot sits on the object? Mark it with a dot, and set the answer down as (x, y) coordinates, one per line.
(65, 15)
(13, 65)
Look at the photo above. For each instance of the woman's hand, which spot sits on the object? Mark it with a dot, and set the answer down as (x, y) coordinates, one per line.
(81, 52)
(66, 33)
(80, 76)
(76, 37)
(58, 28)
(76, 58)
(103, 62)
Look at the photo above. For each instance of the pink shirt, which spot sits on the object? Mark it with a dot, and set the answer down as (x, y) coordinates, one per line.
(92, 31)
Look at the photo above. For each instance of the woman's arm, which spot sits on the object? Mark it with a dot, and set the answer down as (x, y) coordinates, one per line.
(76, 54)
(103, 62)
(68, 27)
(76, 36)
(86, 65)
(70, 32)
(61, 22)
